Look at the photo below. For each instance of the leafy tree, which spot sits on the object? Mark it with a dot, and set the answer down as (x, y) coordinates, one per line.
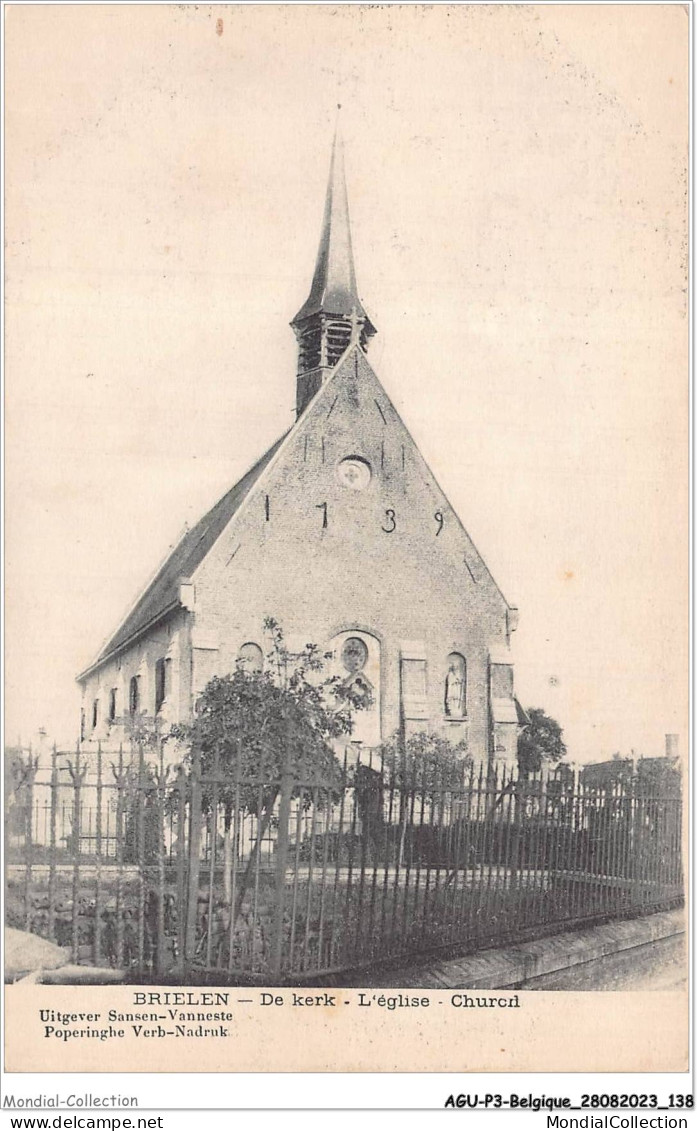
(143, 839)
(143, 781)
(17, 769)
(252, 727)
(425, 760)
(540, 741)
(423, 765)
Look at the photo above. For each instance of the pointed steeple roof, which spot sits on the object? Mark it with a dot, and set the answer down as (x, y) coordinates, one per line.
(333, 289)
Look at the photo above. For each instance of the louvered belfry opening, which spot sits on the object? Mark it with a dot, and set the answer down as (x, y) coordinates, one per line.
(322, 341)
(310, 344)
(338, 333)
(323, 338)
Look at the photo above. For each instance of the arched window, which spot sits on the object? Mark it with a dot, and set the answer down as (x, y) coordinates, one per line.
(455, 690)
(250, 658)
(95, 714)
(354, 657)
(133, 696)
(356, 663)
(112, 704)
(83, 725)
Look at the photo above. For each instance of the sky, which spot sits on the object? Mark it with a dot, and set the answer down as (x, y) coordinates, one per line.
(518, 188)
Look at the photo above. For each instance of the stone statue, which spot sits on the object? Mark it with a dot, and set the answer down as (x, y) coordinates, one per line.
(455, 688)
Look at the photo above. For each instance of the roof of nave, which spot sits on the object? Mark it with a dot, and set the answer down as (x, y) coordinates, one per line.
(162, 593)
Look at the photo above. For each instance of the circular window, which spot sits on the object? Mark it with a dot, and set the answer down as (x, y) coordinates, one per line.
(354, 654)
(354, 473)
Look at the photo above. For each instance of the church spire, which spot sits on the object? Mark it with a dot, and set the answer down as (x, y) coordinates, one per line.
(333, 317)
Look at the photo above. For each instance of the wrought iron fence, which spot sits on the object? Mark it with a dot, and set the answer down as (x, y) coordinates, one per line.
(177, 875)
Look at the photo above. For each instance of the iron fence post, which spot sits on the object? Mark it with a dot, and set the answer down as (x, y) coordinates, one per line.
(97, 938)
(78, 773)
(194, 860)
(159, 925)
(181, 788)
(30, 770)
(282, 858)
(52, 845)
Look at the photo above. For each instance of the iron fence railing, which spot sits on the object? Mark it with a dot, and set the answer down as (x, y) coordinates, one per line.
(177, 874)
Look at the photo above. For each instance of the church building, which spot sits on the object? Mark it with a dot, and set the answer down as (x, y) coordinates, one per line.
(342, 535)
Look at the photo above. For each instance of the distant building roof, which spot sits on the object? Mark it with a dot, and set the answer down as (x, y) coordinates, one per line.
(623, 769)
(162, 593)
(600, 773)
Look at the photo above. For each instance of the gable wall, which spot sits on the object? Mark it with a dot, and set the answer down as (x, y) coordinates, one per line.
(410, 588)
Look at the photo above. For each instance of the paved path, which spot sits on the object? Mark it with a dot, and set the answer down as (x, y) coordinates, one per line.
(660, 965)
(643, 953)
